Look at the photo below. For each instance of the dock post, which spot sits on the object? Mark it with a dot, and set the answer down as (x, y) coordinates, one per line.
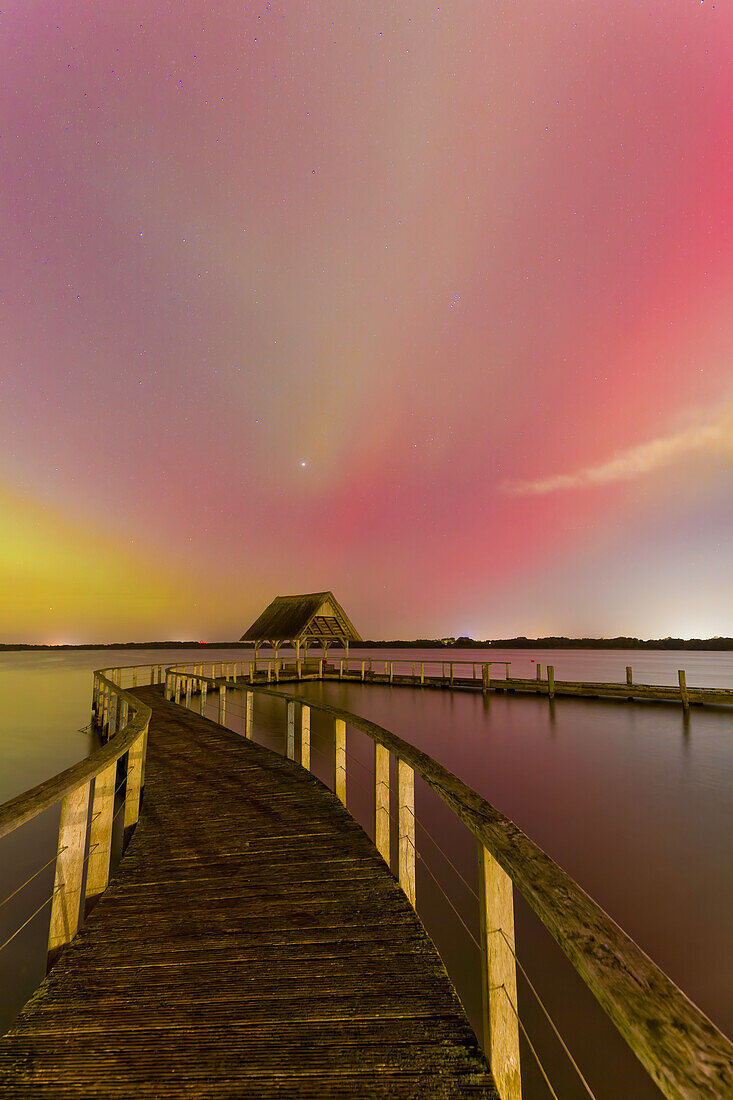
(100, 837)
(450, 670)
(485, 679)
(124, 713)
(499, 976)
(249, 699)
(551, 681)
(134, 779)
(539, 671)
(112, 723)
(251, 672)
(222, 704)
(290, 735)
(406, 829)
(362, 671)
(341, 670)
(339, 731)
(204, 685)
(297, 668)
(69, 869)
(682, 677)
(381, 801)
(178, 689)
(422, 672)
(391, 671)
(269, 672)
(320, 668)
(629, 677)
(305, 737)
(188, 692)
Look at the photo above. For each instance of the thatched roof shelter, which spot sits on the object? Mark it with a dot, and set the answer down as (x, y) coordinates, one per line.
(301, 620)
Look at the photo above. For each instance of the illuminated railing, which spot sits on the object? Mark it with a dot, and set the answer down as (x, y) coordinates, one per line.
(680, 1048)
(87, 792)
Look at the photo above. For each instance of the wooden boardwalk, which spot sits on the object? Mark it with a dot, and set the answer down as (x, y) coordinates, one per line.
(252, 943)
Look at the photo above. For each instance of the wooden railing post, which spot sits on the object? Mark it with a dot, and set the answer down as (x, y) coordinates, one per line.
(339, 736)
(178, 689)
(133, 785)
(362, 670)
(629, 675)
(69, 869)
(100, 837)
(189, 682)
(124, 713)
(202, 701)
(551, 681)
(341, 670)
(406, 829)
(305, 736)
(450, 669)
(222, 704)
(682, 677)
(381, 801)
(422, 672)
(391, 671)
(320, 668)
(539, 671)
(485, 679)
(112, 721)
(499, 976)
(249, 698)
(290, 737)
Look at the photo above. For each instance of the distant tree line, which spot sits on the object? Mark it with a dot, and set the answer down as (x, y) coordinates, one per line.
(426, 643)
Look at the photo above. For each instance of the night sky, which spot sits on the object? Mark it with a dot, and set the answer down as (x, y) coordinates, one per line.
(428, 305)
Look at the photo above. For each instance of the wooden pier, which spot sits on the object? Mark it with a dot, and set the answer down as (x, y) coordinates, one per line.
(252, 943)
(466, 676)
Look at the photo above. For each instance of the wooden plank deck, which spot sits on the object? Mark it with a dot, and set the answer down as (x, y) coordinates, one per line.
(251, 943)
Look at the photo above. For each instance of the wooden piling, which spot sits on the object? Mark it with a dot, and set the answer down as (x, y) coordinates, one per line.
(133, 783)
(222, 704)
(682, 677)
(69, 870)
(305, 737)
(100, 837)
(406, 829)
(249, 699)
(339, 731)
(204, 686)
(551, 681)
(499, 976)
(381, 801)
(290, 733)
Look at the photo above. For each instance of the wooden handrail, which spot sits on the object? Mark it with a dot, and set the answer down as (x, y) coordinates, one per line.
(86, 811)
(24, 807)
(679, 1046)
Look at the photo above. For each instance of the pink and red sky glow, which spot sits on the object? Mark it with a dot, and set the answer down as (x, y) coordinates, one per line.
(428, 305)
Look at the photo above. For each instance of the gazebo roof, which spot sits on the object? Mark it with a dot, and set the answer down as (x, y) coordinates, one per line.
(312, 615)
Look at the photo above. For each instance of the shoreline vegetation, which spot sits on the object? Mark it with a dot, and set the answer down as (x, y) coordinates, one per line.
(704, 644)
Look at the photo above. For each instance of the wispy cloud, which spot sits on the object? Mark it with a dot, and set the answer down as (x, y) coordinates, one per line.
(713, 436)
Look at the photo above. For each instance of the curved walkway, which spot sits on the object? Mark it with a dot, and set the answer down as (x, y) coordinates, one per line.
(252, 943)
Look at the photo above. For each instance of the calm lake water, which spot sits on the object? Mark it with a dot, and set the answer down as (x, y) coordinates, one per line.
(634, 800)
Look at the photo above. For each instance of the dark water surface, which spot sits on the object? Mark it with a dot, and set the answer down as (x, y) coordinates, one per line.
(633, 800)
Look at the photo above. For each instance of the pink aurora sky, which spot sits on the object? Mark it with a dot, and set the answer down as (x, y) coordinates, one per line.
(428, 305)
